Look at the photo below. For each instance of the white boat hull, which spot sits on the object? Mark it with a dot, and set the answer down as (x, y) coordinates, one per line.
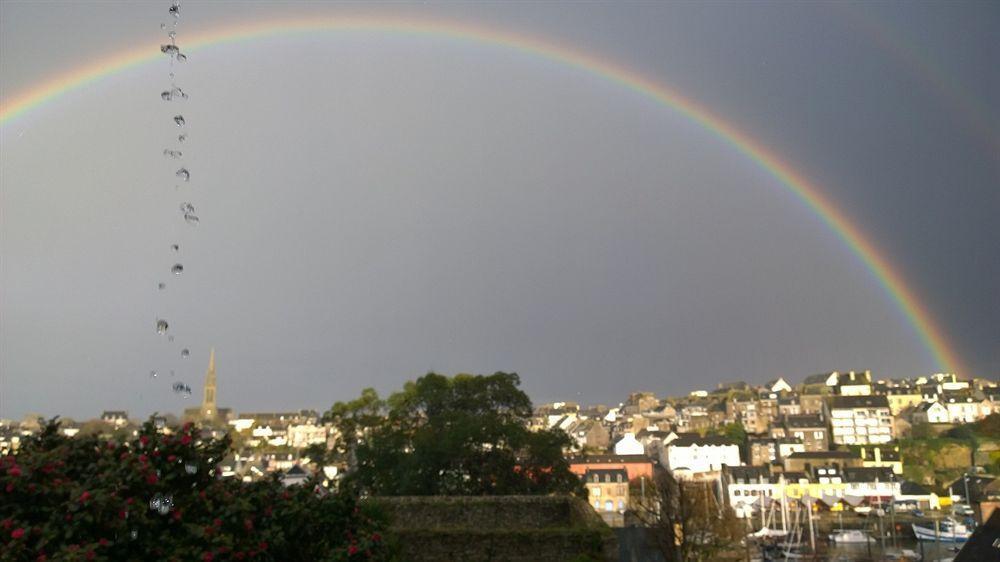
(928, 534)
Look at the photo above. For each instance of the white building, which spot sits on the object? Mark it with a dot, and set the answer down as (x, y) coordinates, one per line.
(861, 420)
(930, 412)
(695, 454)
(303, 435)
(963, 408)
(628, 445)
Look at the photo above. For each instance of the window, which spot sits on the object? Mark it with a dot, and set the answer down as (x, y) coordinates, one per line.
(609, 506)
(596, 492)
(621, 505)
(618, 477)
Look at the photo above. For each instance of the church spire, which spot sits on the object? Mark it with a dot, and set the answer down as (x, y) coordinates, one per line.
(208, 409)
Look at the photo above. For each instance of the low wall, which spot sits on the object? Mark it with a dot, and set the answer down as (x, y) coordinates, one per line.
(498, 528)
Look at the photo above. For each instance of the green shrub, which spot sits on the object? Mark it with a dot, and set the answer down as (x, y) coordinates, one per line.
(160, 497)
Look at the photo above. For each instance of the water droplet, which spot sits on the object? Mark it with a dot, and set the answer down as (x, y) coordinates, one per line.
(161, 286)
(163, 26)
(175, 10)
(181, 57)
(169, 49)
(179, 119)
(191, 219)
(181, 388)
(161, 326)
(152, 374)
(187, 207)
(175, 154)
(175, 93)
(172, 35)
(183, 174)
(177, 269)
(166, 96)
(182, 137)
(191, 468)
(175, 247)
(185, 353)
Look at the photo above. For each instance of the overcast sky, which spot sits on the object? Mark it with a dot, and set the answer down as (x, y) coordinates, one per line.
(375, 205)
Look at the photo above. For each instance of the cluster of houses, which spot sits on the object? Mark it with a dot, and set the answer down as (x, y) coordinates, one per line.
(831, 438)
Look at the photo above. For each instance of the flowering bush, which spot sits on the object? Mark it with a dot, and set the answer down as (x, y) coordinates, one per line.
(159, 497)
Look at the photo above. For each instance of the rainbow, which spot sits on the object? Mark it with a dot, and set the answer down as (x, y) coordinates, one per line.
(930, 333)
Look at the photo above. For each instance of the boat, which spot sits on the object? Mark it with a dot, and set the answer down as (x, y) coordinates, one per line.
(851, 536)
(948, 531)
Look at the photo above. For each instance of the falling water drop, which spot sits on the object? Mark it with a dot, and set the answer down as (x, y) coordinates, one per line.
(181, 137)
(172, 35)
(183, 174)
(175, 154)
(175, 10)
(179, 119)
(152, 374)
(161, 326)
(175, 247)
(181, 57)
(187, 207)
(163, 26)
(178, 93)
(185, 353)
(166, 96)
(171, 50)
(191, 219)
(177, 269)
(181, 388)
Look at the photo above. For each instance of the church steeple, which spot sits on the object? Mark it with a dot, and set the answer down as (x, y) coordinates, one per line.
(208, 407)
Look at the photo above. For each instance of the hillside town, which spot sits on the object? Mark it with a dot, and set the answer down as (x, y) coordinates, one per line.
(842, 441)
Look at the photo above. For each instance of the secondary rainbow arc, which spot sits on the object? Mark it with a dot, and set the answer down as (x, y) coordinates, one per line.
(930, 333)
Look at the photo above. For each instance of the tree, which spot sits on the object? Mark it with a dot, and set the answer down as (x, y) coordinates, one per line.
(685, 519)
(465, 435)
(160, 497)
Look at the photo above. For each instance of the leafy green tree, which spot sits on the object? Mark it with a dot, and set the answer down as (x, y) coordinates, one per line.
(160, 497)
(465, 435)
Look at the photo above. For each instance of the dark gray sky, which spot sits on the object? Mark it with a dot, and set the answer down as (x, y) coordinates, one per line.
(374, 206)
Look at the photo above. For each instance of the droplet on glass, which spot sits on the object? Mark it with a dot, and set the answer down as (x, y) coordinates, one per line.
(169, 49)
(161, 326)
(181, 388)
(161, 286)
(183, 174)
(172, 35)
(176, 92)
(175, 10)
(175, 247)
(185, 353)
(186, 207)
(175, 154)
(152, 374)
(163, 26)
(191, 219)
(181, 57)
(177, 269)
(181, 138)
(166, 96)
(179, 119)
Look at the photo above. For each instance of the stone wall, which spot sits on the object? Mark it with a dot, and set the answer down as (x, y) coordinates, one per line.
(498, 528)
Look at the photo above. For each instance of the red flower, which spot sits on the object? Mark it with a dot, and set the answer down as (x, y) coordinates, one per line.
(376, 537)
(90, 555)
(171, 458)
(156, 452)
(17, 533)
(129, 501)
(185, 439)
(248, 524)
(111, 444)
(103, 542)
(123, 514)
(15, 472)
(177, 515)
(151, 478)
(143, 459)
(47, 469)
(207, 557)
(10, 487)
(41, 558)
(68, 517)
(352, 550)
(144, 440)
(85, 496)
(262, 545)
